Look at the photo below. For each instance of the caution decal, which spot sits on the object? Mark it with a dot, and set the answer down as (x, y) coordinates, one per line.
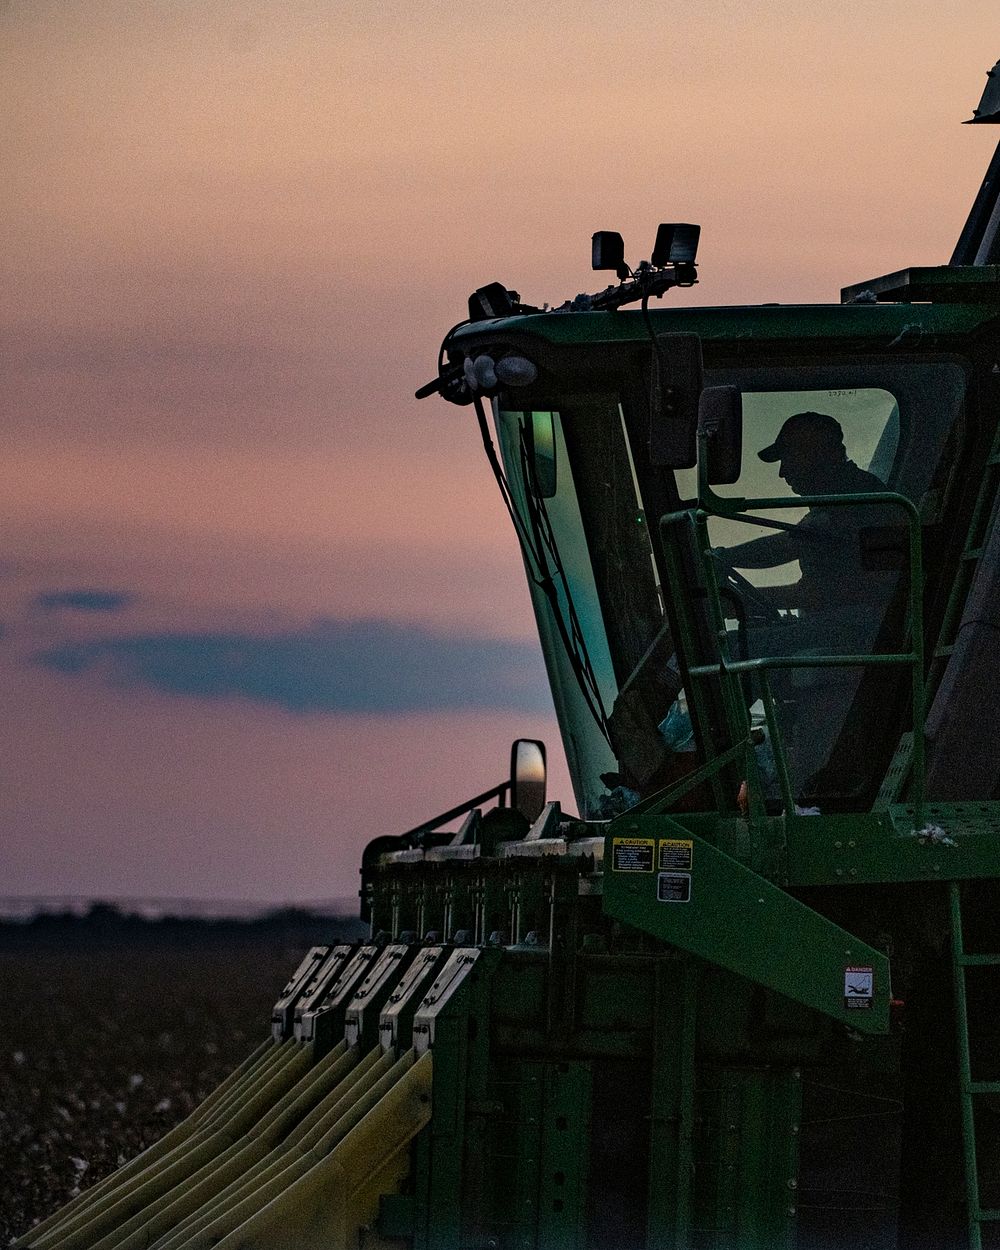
(676, 854)
(632, 854)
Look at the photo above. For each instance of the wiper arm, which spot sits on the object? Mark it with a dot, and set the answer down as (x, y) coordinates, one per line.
(536, 546)
(550, 568)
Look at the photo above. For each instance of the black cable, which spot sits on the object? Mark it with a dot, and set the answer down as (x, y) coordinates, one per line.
(531, 544)
(523, 537)
(573, 638)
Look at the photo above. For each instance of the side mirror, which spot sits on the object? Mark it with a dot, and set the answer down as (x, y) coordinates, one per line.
(674, 387)
(527, 777)
(720, 417)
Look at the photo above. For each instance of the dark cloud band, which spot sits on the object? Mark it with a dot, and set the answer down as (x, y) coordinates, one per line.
(83, 600)
(372, 666)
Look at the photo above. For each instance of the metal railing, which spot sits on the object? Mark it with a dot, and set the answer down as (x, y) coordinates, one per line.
(730, 671)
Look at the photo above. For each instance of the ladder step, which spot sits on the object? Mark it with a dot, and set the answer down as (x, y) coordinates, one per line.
(983, 1087)
(989, 1214)
(979, 961)
(941, 652)
(973, 553)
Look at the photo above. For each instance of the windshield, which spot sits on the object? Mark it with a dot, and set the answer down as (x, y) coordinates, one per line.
(591, 574)
(797, 580)
(829, 580)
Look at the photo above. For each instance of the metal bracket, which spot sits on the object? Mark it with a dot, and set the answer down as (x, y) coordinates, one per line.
(662, 879)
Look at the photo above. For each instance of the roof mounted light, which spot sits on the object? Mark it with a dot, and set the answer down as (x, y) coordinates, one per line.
(484, 375)
(607, 251)
(479, 373)
(516, 371)
(672, 264)
(676, 244)
(494, 300)
(461, 377)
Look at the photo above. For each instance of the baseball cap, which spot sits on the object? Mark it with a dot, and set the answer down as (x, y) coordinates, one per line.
(803, 427)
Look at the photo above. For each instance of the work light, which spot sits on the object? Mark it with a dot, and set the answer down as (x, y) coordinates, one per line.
(607, 251)
(676, 244)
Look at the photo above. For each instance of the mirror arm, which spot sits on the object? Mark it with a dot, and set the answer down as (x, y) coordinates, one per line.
(499, 793)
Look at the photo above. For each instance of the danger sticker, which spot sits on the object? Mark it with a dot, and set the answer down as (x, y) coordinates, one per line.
(859, 988)
(632, 854)
(676, 854)
(674, 887)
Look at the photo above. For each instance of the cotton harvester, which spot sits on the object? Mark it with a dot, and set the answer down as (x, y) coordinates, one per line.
(747, 999)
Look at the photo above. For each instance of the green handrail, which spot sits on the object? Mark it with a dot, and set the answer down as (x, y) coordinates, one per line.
(729, 669)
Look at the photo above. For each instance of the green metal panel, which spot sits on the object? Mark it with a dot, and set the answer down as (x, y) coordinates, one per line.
(745, 1160)
(789, 321)
(562, 1175)
(736, 919)
(540, 1147)
(672, 1105)
(772, 1110)
(526, 1099)
(452, 1019)
(951, 283)
(864, 848)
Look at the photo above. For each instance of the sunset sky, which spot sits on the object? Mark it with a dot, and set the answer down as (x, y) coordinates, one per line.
(258, 604)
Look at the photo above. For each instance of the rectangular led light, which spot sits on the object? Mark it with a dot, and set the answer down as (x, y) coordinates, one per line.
(607, 250)
(676, 243)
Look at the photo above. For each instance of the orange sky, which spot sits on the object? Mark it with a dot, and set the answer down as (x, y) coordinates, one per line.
(234, 233)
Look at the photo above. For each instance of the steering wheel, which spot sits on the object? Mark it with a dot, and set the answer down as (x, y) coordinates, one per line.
(759, 608)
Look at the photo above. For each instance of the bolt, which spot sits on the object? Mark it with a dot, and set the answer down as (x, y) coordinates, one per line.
(839, 872)
(852, 842)
(793, 1183)
(837, 846)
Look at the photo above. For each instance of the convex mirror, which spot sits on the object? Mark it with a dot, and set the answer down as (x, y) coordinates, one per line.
(527, 777)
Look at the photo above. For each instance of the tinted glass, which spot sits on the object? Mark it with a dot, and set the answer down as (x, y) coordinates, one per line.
(829, 580)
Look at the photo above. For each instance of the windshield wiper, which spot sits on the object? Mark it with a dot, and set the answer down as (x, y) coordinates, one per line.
(545, 568)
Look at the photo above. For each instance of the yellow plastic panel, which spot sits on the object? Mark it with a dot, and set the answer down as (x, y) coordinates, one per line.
(243, 1195)
(325, 1208)
(191, 1194)
(111, 1212)
(179, 1133)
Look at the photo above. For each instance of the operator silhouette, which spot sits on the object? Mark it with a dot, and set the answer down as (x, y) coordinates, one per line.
(836, 606)
(812, 459)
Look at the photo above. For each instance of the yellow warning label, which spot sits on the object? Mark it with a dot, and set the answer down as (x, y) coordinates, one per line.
(676, 854)
(632, 854)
